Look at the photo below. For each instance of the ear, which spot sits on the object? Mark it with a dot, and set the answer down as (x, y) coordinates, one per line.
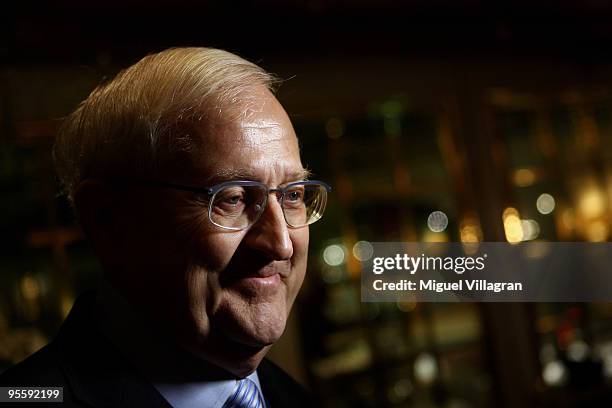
(94, 203)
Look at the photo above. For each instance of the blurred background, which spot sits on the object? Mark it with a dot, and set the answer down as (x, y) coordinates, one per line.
(498, 116)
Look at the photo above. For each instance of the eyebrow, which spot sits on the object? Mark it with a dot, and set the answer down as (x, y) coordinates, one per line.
(243, 174)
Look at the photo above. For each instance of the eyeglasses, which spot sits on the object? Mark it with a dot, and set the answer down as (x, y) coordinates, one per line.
(236, 205)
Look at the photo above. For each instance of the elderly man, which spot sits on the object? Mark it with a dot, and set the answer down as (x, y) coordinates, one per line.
(184, 172)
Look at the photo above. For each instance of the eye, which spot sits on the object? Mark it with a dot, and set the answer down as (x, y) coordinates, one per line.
(294, 196)
(231, 198)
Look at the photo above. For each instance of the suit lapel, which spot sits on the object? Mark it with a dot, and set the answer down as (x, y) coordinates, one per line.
(96, 371)
(280, 390)
(274, 386)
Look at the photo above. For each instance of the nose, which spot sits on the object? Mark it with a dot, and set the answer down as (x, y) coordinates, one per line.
(270, 234)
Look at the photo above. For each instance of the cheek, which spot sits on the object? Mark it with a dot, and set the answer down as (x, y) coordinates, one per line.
(204, 243)
(300, 238)
(209, 255)
(215, 249)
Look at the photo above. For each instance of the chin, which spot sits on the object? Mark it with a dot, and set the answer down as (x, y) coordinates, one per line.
(266, 337)
(256, 325)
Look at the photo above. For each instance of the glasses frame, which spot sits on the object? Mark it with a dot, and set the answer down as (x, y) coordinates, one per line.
(213, 190)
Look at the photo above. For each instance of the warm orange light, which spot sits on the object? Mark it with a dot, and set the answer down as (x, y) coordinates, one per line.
(597, 231)
(29, 288)
(512, 226)
(524, 177)
(430, 236)
(592, 203)
(510, 211)
(470, 230)
(567, 219)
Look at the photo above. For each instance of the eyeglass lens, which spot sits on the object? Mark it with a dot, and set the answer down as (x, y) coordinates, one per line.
(239, 206)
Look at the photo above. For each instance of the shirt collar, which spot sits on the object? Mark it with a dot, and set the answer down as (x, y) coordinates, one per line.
(201, 394)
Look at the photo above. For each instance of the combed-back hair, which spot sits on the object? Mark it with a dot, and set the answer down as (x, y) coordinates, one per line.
(127, 125)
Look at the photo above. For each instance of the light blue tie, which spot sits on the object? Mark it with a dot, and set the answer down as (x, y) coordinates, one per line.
(247, 395)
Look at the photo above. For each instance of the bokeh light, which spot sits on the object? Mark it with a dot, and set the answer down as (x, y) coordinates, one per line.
(545, 203)
(334, 255)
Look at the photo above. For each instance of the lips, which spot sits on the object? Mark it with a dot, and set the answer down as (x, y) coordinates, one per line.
(250, 270)
(270, 270)
(264, 281)
(258, 285)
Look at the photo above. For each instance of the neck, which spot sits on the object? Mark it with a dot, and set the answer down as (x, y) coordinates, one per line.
(239, 359)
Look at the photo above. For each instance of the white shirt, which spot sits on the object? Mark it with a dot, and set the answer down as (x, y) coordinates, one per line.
(201, 394)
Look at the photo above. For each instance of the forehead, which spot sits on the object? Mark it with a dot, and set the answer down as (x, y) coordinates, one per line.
(252, 138)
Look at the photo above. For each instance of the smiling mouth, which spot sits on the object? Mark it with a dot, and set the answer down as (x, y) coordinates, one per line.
(268, 271)
(261, 284)
(254, 275)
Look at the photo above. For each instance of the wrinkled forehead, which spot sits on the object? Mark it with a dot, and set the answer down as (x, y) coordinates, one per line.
(254, 108)
(250, 137)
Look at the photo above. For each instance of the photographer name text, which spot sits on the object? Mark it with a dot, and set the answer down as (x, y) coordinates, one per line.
(479, 285)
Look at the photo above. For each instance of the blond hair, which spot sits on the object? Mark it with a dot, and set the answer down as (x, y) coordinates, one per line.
(120, 128)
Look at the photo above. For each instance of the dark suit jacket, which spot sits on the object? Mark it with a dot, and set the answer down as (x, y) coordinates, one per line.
(93, 372)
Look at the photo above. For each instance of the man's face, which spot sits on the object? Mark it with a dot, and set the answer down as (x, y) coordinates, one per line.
(208, 285)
